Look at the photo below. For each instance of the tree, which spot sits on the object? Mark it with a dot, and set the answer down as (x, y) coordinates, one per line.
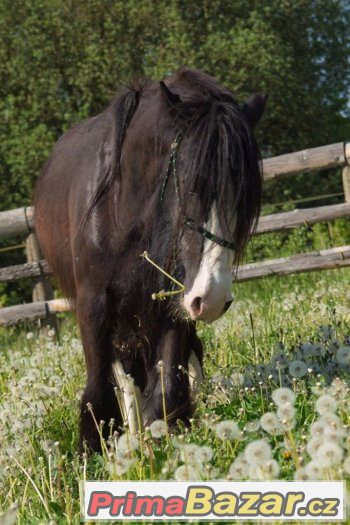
(62, 60)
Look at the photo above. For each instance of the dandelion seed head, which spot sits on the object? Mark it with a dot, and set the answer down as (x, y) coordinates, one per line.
(203, 454)
(119, 465)
(288, 424)
(270, 423)
(297, 368)
(239, 468)
(158, 428)
(252, 426)
(186, 473)
(257, 452)
(317, 428)
(283, 395)
(301, 475)
(286, 411)
(265, 471)
(329, 454)
(343, 355)
(227, 430)
(127, 443)
(237, 379)
(313, 445)
(326, 404)
(313, 470)
(330, 419)
(188, 453)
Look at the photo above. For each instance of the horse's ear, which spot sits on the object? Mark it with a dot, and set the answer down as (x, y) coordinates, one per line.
(169, 96)
(254, 108)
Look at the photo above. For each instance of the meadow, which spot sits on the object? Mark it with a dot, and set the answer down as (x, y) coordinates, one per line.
(274, 404)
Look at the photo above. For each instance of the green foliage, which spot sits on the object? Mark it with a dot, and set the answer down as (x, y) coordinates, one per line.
(303, 239)
(61, 61)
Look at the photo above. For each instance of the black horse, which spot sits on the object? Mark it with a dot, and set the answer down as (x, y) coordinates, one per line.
(172, 169)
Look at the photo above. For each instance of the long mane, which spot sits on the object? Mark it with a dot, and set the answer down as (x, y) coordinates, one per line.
(223, 153)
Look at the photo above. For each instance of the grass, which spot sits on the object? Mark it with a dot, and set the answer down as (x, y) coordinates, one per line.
(275, 322)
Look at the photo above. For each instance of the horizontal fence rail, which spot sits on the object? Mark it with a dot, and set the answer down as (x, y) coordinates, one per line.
(301, 216)
(306, 262)
(16, 222)
(314, 159)
(268, 224)
(22, 271)
(12, 315)
(275, 222)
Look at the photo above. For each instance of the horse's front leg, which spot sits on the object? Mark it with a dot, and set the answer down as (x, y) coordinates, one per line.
(168, 386)
(99, 402)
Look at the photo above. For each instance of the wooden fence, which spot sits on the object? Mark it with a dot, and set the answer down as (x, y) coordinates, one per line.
(20, 222)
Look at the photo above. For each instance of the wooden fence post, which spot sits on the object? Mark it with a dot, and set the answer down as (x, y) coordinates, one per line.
(42, 289)
(346, 183)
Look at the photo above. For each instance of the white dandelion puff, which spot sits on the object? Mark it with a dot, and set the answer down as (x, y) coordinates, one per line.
(265, 471)
(313, 445)
(186, 473)
(284, 395)
(343, 355)
(325, 404)
(158, 428)
(188, 453)
(339, 389)
(239, 468)
(297, 368)
(327, 333)
(228, 429)
(119, 465)
(314, 470)
(334, 434)
(288, 424)
(257, 452)
(237, 379)
(317, 428)
(203, 454)
(286, 411)
(270, 423)
(301, 474)
(329, 454)
(127, 443)
(252, 426)
(329, 419)
(279, 361)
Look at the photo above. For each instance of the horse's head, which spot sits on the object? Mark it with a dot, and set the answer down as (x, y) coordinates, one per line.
(211, 186)
(192, 165)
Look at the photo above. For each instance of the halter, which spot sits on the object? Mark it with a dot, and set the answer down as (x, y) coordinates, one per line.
(190, 223)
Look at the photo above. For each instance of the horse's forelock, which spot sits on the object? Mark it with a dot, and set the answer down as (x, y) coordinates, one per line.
(221, 155)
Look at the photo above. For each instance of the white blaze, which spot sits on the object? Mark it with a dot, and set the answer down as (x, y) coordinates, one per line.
(213, 281)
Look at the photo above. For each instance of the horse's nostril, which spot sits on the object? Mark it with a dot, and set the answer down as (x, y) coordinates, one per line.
(227, 306)
(196, 305)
